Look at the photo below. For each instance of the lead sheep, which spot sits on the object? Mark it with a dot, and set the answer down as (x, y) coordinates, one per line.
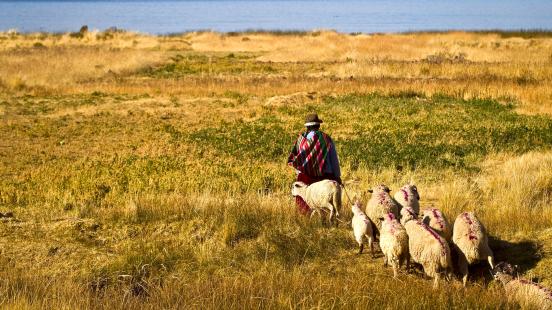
(527, 293)
(320, 196)
(379, 205)
(435, 219)
(408, 196)
(394, 243)
(470, 242)
(429, 249)
(362, 228)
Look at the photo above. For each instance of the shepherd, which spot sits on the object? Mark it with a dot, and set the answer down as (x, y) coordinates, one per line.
(314, 158)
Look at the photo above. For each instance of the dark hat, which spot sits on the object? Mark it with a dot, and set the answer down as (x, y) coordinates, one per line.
(312, 119)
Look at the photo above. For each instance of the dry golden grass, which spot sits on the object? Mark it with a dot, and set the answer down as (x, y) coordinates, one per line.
(463, 65)
(148, 172)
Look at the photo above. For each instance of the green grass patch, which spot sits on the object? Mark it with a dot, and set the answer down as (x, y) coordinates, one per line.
(211, 64)
(379, 132)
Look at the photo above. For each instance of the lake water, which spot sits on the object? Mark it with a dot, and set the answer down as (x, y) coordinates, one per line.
(168, 16)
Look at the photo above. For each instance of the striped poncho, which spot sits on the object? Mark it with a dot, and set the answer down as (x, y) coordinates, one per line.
(310, 153)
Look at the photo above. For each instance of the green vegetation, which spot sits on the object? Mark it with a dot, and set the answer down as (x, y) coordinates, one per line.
(197, 64)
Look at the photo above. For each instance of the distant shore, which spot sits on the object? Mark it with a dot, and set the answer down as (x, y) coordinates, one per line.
(505, 33)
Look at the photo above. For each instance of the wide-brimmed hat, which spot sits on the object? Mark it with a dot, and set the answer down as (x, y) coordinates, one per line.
(312, 119)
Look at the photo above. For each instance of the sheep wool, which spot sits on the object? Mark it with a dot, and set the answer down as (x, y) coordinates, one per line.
(435, 219)
(407, 214)
(408, 196)
(321, 196)
(362, 228)
(471, 242)
(429, 249)
(380, 204)
(394, 243)
(528, 294)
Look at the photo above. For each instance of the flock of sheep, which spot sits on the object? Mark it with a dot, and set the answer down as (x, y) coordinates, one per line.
(424, 237)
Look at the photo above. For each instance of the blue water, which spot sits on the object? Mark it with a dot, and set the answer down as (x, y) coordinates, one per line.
(168, 16)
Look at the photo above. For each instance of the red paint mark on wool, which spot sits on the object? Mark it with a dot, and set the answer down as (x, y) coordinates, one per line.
(471, 234)
(405, 194)
(382, 198)
(438, 217)
(435, 235)
(390, 217)
(467, 217)
(410, 212)
(547, 291)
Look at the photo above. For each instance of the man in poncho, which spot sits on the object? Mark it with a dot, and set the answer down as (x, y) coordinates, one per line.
(314, 158)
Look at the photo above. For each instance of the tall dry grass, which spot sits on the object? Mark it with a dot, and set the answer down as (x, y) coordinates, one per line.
(149, 172)
(459, 64)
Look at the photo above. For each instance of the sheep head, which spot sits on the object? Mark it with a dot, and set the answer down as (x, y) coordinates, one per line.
(356, 208)
(382, 188)
(504, 272)
(298, 189)
(410, 191)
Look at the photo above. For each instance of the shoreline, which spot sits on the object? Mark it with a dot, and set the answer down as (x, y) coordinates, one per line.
(527, 33)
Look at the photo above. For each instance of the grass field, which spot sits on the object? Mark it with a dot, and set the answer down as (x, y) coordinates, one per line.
(149, 172)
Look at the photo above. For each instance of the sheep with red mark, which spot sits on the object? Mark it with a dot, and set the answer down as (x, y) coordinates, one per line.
(362, 228)
(528, 294)
(429, 249)
(380, 204)
(471, 243)
(394, 243)
(408, 196)
(407, 214)
(323, 196)
(435, 219)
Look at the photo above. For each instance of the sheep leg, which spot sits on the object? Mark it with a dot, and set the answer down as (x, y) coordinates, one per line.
(322, 215)
(436, 281)
(361, 248)
(463, 268)
(371, 243)
(313, 212)
(394, 263)
(336, 215)
(332, 213)
(385, 262)
(491, 261)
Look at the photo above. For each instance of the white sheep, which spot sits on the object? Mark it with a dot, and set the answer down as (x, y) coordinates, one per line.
(435, 219)
(407, 214)
(408, 196)
(470, 242)
(429, 249)
(362, 228)
(321, 196)
(394, 243)
(380, 204)
(528, 294)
